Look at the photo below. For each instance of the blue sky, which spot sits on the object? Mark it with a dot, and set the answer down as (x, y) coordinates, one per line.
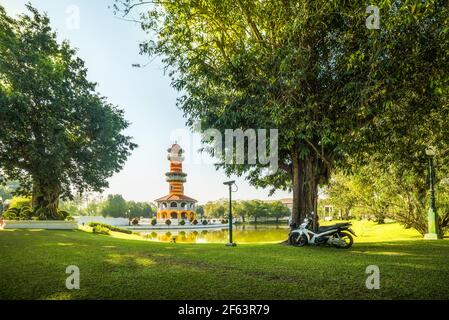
(109, 46)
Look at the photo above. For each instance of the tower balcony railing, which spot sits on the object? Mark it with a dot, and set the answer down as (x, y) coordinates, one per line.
(170, 176)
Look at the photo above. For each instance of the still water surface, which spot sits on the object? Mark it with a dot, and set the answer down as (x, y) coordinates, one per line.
(241, 234)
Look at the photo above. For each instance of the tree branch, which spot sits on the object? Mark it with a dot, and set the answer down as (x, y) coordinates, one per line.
(319, 154)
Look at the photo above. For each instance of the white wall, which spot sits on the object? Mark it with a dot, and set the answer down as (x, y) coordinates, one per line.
(111, 221)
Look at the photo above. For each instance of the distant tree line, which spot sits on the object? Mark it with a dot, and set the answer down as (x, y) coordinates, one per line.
(247, 209)
(114, 206)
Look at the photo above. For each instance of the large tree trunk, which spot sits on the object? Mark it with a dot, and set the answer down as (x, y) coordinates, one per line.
(306, 175)
(45, 199)
(296, 217)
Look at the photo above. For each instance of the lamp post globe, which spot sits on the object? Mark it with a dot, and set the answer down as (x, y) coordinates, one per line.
(430, 151)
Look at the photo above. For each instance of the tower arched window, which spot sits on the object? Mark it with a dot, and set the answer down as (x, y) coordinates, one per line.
(173, 205)
(183, 205)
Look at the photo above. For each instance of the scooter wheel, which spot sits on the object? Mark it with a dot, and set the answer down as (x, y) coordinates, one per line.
(298, 241)
(347, 238)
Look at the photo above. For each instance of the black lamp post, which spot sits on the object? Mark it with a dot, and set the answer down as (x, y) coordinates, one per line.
(432, 215)
(230, 184)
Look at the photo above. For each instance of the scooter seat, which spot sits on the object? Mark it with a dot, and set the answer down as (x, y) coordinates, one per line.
(334, 226)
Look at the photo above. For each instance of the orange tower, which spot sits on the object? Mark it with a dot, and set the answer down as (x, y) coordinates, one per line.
(175, 206)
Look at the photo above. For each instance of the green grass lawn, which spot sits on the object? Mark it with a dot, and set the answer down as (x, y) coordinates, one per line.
(33, 264)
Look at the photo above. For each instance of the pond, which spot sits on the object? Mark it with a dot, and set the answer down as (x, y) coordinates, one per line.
(241, 234)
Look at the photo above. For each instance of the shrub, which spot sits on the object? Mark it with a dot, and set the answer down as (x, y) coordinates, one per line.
(42, 213)
(204, 222)
(224, 221)
(195, 222)
(153, 222)
(135, 222)
(25, 213)
(10, 214)
(182, 222)
(16, 213)
(117, 229)
(100, 230)
(63, 214)
(19, 202)
(15, 210)
(109, 227)
(168, 222)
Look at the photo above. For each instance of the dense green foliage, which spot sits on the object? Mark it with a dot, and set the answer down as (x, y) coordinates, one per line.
(140, 209)
(246, 209)
(57, 134)
(26, 212)
(269, 271)
(111, 228)
(399, 194)
(116, 206)
(101, 230)
(19, 202)
(199, 211)
(20, 208)
(7, 190)
(113, 206)
(335, 89)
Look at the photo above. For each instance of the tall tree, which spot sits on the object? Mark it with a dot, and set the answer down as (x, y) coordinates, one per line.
(57, 134)
(278, 210)
(215, 209)
(199, 211)
(394, 192)
(310, 68)
(115, 206)
(140, 209)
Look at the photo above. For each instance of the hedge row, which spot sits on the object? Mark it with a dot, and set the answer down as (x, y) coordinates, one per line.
(111, 228)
